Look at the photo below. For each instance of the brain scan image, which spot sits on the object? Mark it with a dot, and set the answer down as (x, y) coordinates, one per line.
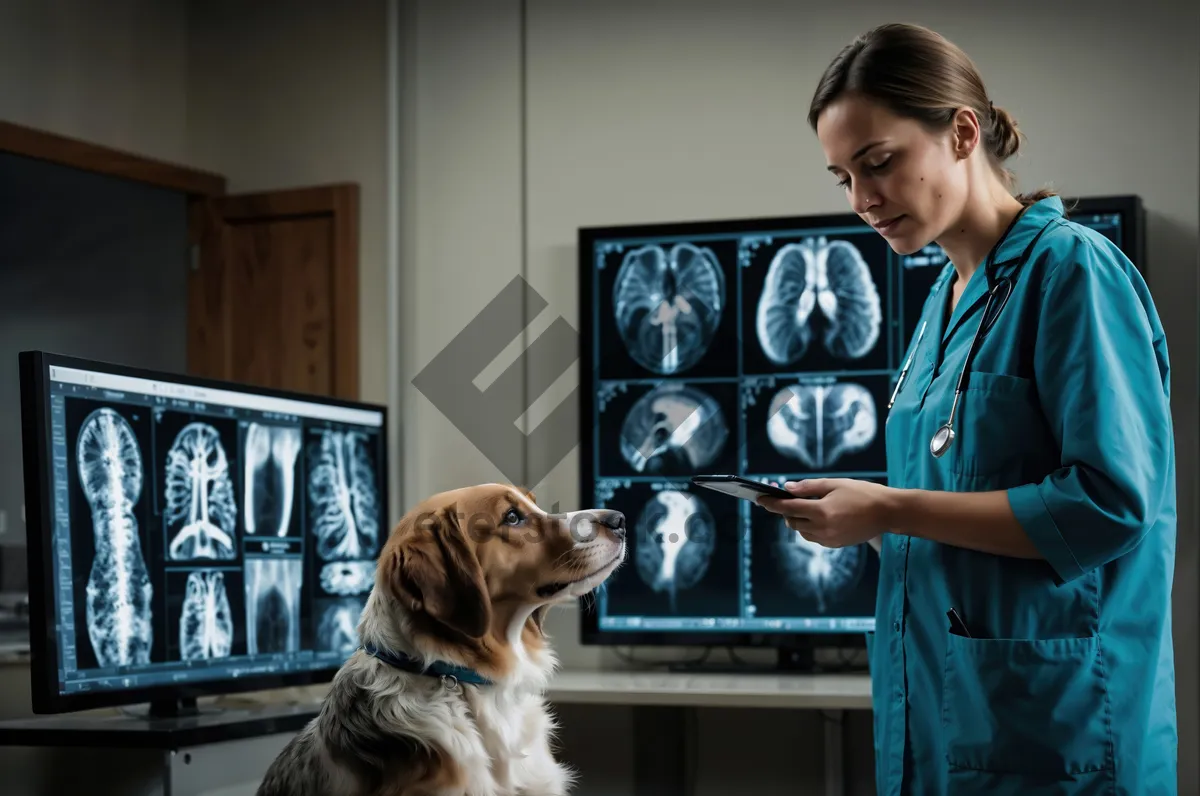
(118, 607)
(667, 305)
(673, 428)
(817, 275)
(818, 424)
(337, 624)
(347, 578)
(206, 621)
(821, 574)
(343, 502)
(676, 536)
(273, 604)
(269, 491)
(200, 511)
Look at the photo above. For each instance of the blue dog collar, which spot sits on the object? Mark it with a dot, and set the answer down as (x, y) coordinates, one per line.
(460, 674)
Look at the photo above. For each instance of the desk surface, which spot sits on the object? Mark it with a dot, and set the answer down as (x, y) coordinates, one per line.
(608, 687)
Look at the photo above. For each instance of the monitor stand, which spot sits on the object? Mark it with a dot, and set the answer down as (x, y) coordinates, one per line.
(789, 660)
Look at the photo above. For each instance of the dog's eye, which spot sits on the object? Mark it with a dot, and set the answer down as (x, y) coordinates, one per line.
(512, 517)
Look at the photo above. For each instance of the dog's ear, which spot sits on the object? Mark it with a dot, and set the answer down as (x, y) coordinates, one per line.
(435, 573)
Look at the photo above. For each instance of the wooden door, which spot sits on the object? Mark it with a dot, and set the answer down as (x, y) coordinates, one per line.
(273, 289)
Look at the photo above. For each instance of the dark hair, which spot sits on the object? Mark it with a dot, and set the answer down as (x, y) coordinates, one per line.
(919, 74)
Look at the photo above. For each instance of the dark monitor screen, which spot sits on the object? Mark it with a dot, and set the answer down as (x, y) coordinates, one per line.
(765, 348)
(189, 537)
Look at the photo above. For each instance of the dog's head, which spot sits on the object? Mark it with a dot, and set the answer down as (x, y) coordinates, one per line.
(470, 573)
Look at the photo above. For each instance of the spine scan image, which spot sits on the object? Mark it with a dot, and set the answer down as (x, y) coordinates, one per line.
(270, 478)
(673, 427)
(273, 605)
(676, 536)
(199, 496)
(668, 304)
(118, 587)
(813, 572)
(817, 424)
(830, 276)
(343, 507)
(205, 622)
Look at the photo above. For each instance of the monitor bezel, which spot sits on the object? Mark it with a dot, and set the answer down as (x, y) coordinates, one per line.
(34, 376)
(1130, 206)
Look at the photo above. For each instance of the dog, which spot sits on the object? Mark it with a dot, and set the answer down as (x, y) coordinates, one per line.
(445, 695)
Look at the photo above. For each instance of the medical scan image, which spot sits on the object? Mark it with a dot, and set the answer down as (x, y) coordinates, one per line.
(676, 536)
(200, 512)
(206, 622)
(674, 428)
(273, 604)
(668, 304)
(817, 275)
(347, 578)
(822, 575)
(337, 624)
(817, 424)
(119, 593)
(269, 457)
(343, 503)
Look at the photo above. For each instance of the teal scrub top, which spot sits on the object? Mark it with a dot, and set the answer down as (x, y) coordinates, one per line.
(1066, 683)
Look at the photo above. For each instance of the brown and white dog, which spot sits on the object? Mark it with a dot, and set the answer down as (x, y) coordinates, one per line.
(446, 696)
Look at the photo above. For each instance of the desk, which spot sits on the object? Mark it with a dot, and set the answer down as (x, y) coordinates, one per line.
(235, 744)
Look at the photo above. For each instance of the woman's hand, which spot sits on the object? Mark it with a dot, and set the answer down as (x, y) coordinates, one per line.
(834, 512)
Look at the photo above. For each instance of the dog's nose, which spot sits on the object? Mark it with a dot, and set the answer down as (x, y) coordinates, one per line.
(614, 521)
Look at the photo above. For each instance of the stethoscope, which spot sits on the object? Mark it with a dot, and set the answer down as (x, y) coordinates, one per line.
(999, 289)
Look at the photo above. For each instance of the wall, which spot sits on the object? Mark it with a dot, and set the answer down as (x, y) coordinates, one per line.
(637, 112)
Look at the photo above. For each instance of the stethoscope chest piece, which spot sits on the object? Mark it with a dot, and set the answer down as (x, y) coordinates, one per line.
(941, 441)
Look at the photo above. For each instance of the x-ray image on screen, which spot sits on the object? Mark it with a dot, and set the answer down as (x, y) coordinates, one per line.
(817, 424)
(792, 577)
(815, 303)
(343, 497)
(198, 467)
(206, 616)
(273, 604)
(666, 309)
(683, 551)
(671, 428)
(337, 623)
(345, 578)
(270, 500)
(107, 465)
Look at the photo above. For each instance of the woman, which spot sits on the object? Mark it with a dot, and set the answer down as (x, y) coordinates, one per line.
(1023, 619)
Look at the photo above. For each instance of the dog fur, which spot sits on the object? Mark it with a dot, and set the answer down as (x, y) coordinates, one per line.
(463, 578)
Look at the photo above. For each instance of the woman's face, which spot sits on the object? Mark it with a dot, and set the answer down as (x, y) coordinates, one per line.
(901, 179)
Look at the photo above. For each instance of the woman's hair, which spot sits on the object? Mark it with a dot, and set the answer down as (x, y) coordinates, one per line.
(918, 74)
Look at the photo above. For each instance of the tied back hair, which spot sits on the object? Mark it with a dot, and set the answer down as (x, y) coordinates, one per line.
(918, 74)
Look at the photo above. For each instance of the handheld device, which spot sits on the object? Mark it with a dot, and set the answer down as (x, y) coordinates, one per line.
(740, 487)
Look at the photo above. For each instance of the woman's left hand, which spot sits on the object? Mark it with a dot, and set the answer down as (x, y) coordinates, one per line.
(834, 512)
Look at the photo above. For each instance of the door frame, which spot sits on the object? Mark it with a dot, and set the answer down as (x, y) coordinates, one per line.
(206, 293)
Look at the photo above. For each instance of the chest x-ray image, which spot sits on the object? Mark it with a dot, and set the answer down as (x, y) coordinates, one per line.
(829, 277)
(111, 475)
(199, 504)
(273, 587)
(269, 495)
(667, 304)
(343, 504)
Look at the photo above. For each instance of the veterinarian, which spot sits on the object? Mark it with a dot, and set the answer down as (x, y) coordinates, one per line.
(1027, 534)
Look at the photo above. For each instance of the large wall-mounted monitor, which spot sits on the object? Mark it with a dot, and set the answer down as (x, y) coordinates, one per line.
(189, 537)
(765, 348)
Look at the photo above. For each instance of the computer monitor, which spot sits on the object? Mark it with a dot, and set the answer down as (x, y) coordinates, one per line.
(705, 349)
(188, 537)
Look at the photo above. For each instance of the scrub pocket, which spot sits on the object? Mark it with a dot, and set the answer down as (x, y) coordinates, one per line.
(1032, 707)
(1001, 426)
